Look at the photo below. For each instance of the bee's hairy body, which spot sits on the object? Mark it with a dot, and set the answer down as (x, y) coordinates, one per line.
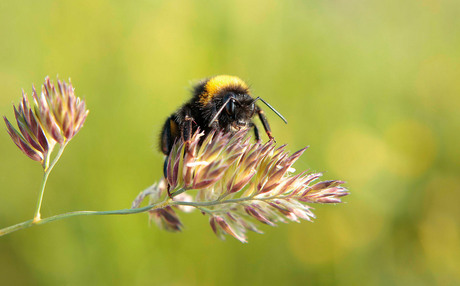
(221, 102)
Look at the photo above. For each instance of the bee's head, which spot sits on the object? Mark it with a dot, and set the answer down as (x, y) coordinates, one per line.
(230, 100)
(229, 97)
(238, 109)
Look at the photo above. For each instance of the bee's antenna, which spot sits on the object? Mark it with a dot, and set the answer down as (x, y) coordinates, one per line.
(220, 110)
(269, 106)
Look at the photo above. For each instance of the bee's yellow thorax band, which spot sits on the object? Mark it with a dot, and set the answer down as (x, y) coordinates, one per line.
(217, 83)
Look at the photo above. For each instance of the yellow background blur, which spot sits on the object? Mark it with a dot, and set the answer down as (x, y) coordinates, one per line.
(372, 86)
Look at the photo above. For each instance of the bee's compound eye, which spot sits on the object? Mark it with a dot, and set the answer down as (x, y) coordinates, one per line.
(252, 107)
(230, 108)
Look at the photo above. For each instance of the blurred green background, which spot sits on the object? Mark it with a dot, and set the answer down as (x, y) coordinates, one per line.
(372, 86)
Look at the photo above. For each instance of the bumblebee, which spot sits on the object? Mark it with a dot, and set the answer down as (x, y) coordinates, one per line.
(221, 102)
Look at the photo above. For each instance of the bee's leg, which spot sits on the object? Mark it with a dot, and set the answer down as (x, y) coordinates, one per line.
(264, 120)
(167, 135)
(256, 131)
(215, 124)
(166, 145)
(187, 126)
(165, 169)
